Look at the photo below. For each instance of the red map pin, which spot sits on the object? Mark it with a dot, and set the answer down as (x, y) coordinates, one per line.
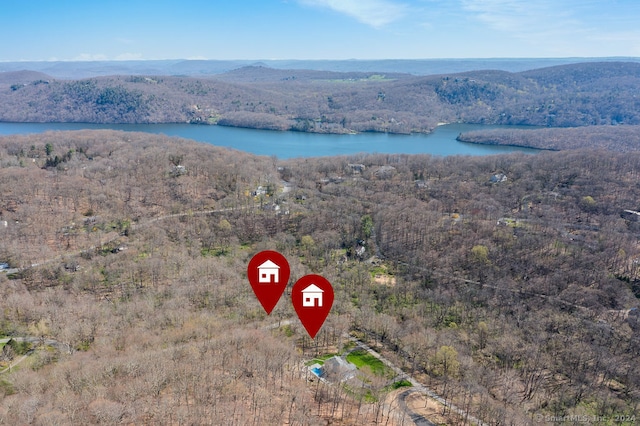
(312, 297)
(268, 274)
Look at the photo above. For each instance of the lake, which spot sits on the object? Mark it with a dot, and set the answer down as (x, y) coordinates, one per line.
(441, 142)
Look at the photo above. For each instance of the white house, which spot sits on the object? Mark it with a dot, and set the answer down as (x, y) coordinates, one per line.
(338, 369)
(312, 297)
(497, 178)
(268, 273)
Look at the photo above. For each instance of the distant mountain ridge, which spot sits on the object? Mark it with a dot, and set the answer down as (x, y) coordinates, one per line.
(255, 96)
(184, 67)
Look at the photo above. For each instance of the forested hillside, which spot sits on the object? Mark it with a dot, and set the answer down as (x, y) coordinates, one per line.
(613, 138)
(320, 101)
(508, 284)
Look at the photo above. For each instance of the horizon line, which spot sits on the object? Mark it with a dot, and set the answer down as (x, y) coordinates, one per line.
(319, 60)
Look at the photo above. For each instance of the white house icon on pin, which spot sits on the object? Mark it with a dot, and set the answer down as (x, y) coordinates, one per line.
(312, 297)
(268, 273)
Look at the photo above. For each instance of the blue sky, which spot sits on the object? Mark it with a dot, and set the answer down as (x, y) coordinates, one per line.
(316, 29)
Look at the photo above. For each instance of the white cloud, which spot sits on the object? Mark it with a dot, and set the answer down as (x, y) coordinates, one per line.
(90, 57)
(561, 28)
(521, 16)
(375, 13)
(128, 56)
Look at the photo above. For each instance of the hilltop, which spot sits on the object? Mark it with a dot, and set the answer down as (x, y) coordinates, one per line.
(22, 77)
(582, 94)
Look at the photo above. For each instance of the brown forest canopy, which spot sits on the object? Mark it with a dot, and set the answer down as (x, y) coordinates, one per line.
(523, 269)
(614, 138)
(319, 101)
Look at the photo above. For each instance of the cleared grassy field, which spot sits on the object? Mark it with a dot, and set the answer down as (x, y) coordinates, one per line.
(363, 359)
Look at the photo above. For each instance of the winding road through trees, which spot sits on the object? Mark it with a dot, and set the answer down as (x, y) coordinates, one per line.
(34, 340)
(416, 387)
(417, 418)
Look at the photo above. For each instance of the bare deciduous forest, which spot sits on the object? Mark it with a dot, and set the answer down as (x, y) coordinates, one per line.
(614, 138)
(508, 284)
(583, 94)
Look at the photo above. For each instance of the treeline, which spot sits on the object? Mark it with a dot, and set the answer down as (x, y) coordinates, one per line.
(613, 138)
(313, 101)
(507, 283)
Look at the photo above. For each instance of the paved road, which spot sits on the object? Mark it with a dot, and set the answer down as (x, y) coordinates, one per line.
(416, 418)
(13, 364)
(36, 340)
(49, 342)
(133, 227)
(417, 387)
